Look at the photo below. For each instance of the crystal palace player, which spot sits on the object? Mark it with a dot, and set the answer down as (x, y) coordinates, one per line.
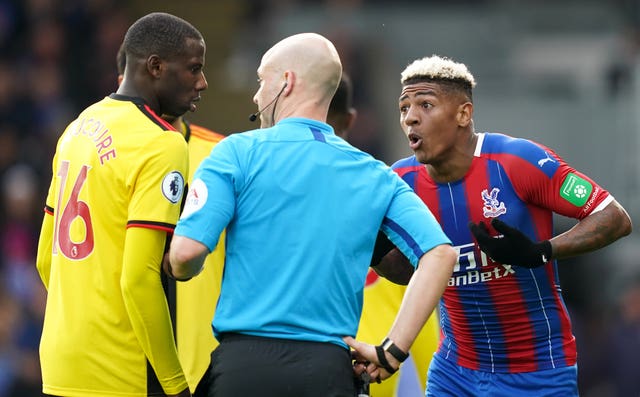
(505, 328)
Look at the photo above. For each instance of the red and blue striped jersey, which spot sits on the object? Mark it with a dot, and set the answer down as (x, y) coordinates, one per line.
(496, 317)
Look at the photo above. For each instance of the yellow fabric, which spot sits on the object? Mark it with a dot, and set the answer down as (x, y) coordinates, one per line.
(43, 259)
(382, 300)
(106, 315)
(196, 299)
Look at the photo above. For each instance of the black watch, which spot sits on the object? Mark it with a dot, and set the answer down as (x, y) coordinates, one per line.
(388, 345)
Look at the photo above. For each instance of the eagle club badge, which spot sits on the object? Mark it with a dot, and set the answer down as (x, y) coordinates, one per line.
(173, 186)
(492, 206)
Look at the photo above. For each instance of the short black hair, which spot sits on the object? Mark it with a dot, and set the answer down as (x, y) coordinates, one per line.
(342, 100)
(158, 33)
(121, 59)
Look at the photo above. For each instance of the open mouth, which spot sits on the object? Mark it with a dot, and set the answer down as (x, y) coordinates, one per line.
(415, 140)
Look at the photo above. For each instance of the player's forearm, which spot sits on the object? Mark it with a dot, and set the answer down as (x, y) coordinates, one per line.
(593, 232)
(147, 307)
(186, 257)
(423, 294)
(395, 267)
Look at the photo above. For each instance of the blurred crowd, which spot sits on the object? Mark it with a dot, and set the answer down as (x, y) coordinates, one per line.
(58, 56)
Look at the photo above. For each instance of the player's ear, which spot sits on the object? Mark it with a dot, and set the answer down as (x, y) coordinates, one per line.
(465, 114)
(154, 65)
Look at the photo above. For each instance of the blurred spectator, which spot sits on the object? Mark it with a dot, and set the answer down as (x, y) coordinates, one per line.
(624, 341)
(55, 57)
(9, 357)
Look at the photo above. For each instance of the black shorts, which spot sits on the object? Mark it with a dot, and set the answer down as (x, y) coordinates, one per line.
(245, 365)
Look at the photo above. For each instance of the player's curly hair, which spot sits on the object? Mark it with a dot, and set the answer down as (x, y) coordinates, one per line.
(441, 70)
(158, 33)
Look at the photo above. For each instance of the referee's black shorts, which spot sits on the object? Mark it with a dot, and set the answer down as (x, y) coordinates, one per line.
(244, 365)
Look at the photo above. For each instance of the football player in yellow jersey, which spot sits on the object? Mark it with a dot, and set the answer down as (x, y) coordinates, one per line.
(192, 303)
(382, 298)
(118, 179)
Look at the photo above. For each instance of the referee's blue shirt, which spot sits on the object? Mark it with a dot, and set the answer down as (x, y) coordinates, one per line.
(302, 210)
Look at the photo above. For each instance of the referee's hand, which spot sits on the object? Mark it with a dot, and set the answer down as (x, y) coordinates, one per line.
(366, 353)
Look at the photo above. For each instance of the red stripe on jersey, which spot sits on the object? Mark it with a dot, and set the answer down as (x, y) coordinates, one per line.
(467, 354)
(48, 210)
(427, 191)
(569, 344)
(159, 119)
(152, 225)
(509, 307)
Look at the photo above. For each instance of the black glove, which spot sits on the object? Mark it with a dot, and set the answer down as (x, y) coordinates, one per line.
(513, 248)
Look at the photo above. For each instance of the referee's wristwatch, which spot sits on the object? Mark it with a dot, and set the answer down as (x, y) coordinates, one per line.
(395, 351)
(387, 345)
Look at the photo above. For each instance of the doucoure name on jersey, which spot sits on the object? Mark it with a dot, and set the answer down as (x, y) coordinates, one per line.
(96, 131)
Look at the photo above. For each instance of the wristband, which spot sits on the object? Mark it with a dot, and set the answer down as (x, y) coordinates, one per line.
(384, 363)
(388, 345)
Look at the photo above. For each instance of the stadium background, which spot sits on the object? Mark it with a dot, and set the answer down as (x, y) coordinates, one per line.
(564, 73)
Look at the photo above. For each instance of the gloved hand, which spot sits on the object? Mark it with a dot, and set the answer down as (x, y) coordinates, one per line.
(513, 247)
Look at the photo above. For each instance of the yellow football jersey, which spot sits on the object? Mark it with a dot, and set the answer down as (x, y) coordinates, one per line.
(196, 299)
(116, 190)
(382, 300)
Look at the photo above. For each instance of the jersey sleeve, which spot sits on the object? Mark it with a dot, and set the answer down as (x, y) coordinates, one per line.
(45, 241)
(157, 183)
(147, 307)
(45, 246)
(541, 177)
(211, 201)
(410, 225)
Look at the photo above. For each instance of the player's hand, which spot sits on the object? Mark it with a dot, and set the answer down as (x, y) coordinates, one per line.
(185, 393)
(513, 247)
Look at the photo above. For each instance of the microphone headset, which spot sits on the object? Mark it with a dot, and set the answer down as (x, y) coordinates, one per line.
(255, 115)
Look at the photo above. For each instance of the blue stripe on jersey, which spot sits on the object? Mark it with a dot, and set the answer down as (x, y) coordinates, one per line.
(534, 154)
(405, 236)
(545, 326)
(317, 134)
(531, 303)
(532, 282)
(453, 195)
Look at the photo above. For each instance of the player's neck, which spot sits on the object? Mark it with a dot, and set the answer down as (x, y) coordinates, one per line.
(456, 163)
